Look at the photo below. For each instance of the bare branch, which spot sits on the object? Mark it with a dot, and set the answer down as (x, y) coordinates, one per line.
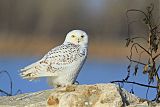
(5, 92)
(140, 38)
(130, 82)
(135, 61)
(156, 56)
(142, 48)
(10, 79)
(134, 10)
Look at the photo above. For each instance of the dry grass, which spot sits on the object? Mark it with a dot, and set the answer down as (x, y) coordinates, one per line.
(22, 46)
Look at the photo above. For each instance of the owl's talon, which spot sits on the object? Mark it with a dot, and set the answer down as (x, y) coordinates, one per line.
(76, 83)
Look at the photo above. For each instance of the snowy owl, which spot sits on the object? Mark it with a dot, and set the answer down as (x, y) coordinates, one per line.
(62, 64)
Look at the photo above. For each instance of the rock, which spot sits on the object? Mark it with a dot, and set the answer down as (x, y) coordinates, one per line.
(98, 95)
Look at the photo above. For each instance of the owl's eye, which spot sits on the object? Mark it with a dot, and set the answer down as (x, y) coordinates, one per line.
(73, 36)
(82, 36)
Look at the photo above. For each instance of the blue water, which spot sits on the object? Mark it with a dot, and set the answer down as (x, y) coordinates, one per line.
(94, 71)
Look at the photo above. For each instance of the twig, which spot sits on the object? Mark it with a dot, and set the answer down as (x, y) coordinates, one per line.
(11, 84)
(135, 61)
(130, 82)
(142, 48)
(18, 92)
(156, 56)
(140, 38)
(5, 92)
(128, 69)
(133, 10)
(157, 76)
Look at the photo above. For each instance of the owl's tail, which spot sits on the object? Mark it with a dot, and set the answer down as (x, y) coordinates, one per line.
(34, 71)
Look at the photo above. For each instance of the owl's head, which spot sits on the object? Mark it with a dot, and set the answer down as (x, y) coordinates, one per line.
(77, 37)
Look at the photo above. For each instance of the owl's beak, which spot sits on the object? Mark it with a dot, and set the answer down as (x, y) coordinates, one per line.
(78, 40)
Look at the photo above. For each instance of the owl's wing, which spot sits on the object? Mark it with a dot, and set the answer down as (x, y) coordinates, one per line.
(52, 63)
